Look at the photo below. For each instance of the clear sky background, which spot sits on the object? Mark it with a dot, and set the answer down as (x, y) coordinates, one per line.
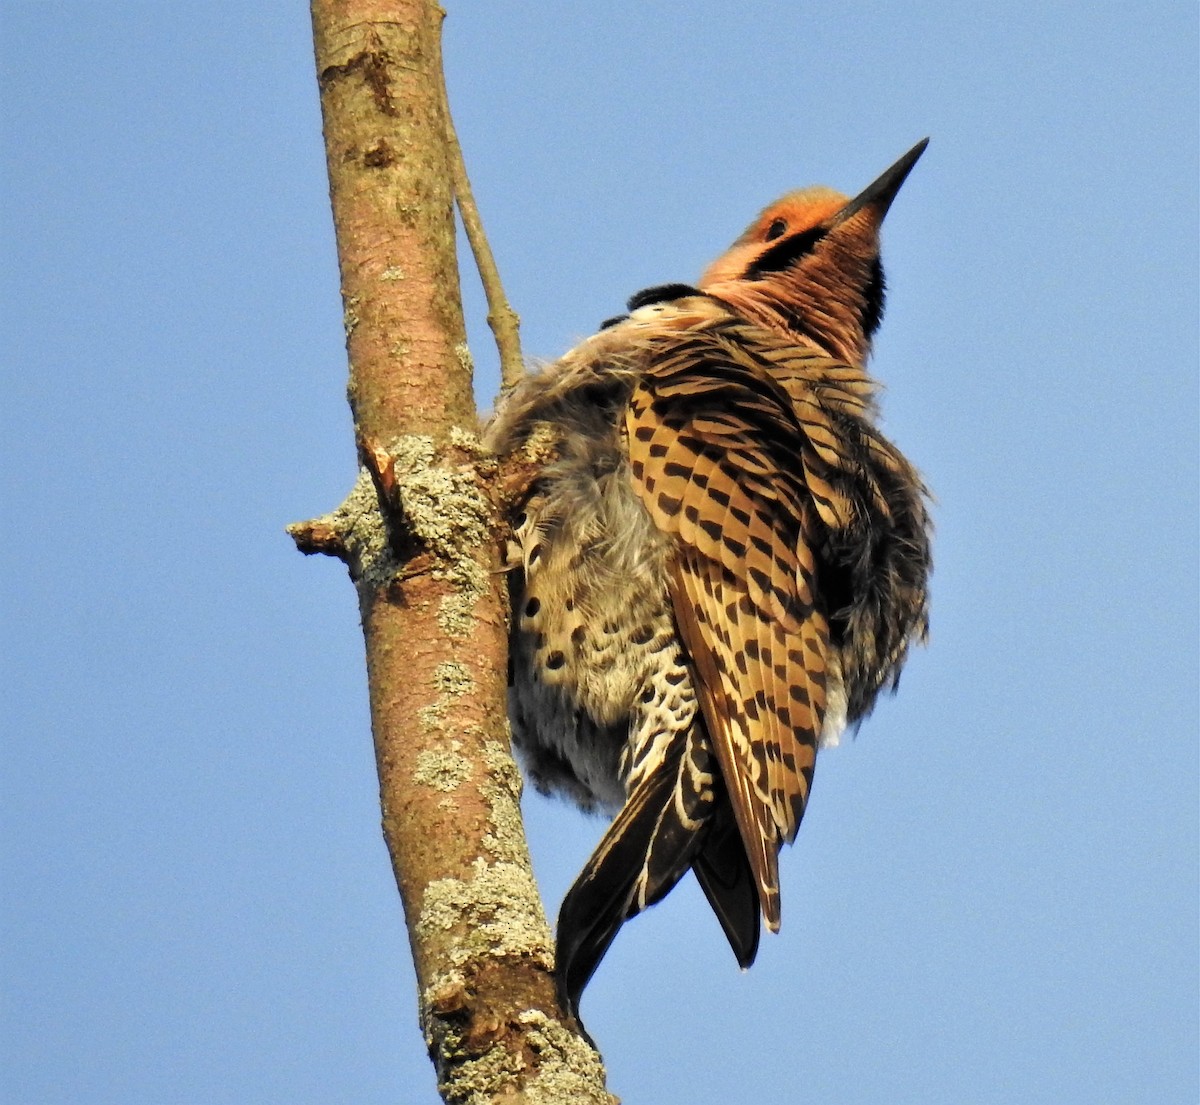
(993, 897)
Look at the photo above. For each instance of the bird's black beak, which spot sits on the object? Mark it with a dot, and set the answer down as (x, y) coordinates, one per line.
(880, 193)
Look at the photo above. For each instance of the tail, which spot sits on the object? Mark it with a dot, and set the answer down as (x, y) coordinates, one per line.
(670, 822)
(727, 879)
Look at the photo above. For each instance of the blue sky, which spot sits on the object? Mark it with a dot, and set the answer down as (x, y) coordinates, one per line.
(993, 896)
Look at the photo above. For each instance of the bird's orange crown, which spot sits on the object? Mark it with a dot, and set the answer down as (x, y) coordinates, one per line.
(809, 265)
(792, 214)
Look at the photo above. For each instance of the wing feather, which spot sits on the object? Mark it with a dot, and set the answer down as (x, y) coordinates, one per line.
(720, 457)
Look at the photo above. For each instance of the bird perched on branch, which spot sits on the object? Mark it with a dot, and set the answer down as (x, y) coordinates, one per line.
(719, 566)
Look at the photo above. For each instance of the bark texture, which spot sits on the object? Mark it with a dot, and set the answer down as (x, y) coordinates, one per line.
(420, 533)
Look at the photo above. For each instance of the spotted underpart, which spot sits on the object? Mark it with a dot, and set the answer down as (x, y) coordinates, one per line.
(600, 682)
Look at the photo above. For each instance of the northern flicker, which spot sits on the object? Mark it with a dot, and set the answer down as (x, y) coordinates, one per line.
(720, 568)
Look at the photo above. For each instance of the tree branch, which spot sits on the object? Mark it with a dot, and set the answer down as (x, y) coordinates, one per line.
(420, 533)
(504, 321)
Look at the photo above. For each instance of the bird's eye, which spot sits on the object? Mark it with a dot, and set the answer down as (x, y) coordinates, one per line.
(775, 230)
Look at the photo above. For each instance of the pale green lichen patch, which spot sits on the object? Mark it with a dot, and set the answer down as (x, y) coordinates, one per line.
(506, 848)
(453, 679)
(469, 443)
(446, 510)
(456, 613)
(502, 792)
(444, 507)
(568, 1069)
(393, 272)
(498, 909)
(476, 1080)
(499, 764)
(443, 769)
(564, 1068)
(462, 353)
(432, 716)
(350, 314)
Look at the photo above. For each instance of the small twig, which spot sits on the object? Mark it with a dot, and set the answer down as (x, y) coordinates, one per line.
(504, 321)
(320, 535)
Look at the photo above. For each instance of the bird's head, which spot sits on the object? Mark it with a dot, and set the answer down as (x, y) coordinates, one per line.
(809, 265)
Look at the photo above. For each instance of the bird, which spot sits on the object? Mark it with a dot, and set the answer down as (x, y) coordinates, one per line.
(719, 565)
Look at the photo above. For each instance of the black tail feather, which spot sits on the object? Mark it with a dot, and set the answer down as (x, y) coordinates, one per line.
(725, 876)
(645, 852)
